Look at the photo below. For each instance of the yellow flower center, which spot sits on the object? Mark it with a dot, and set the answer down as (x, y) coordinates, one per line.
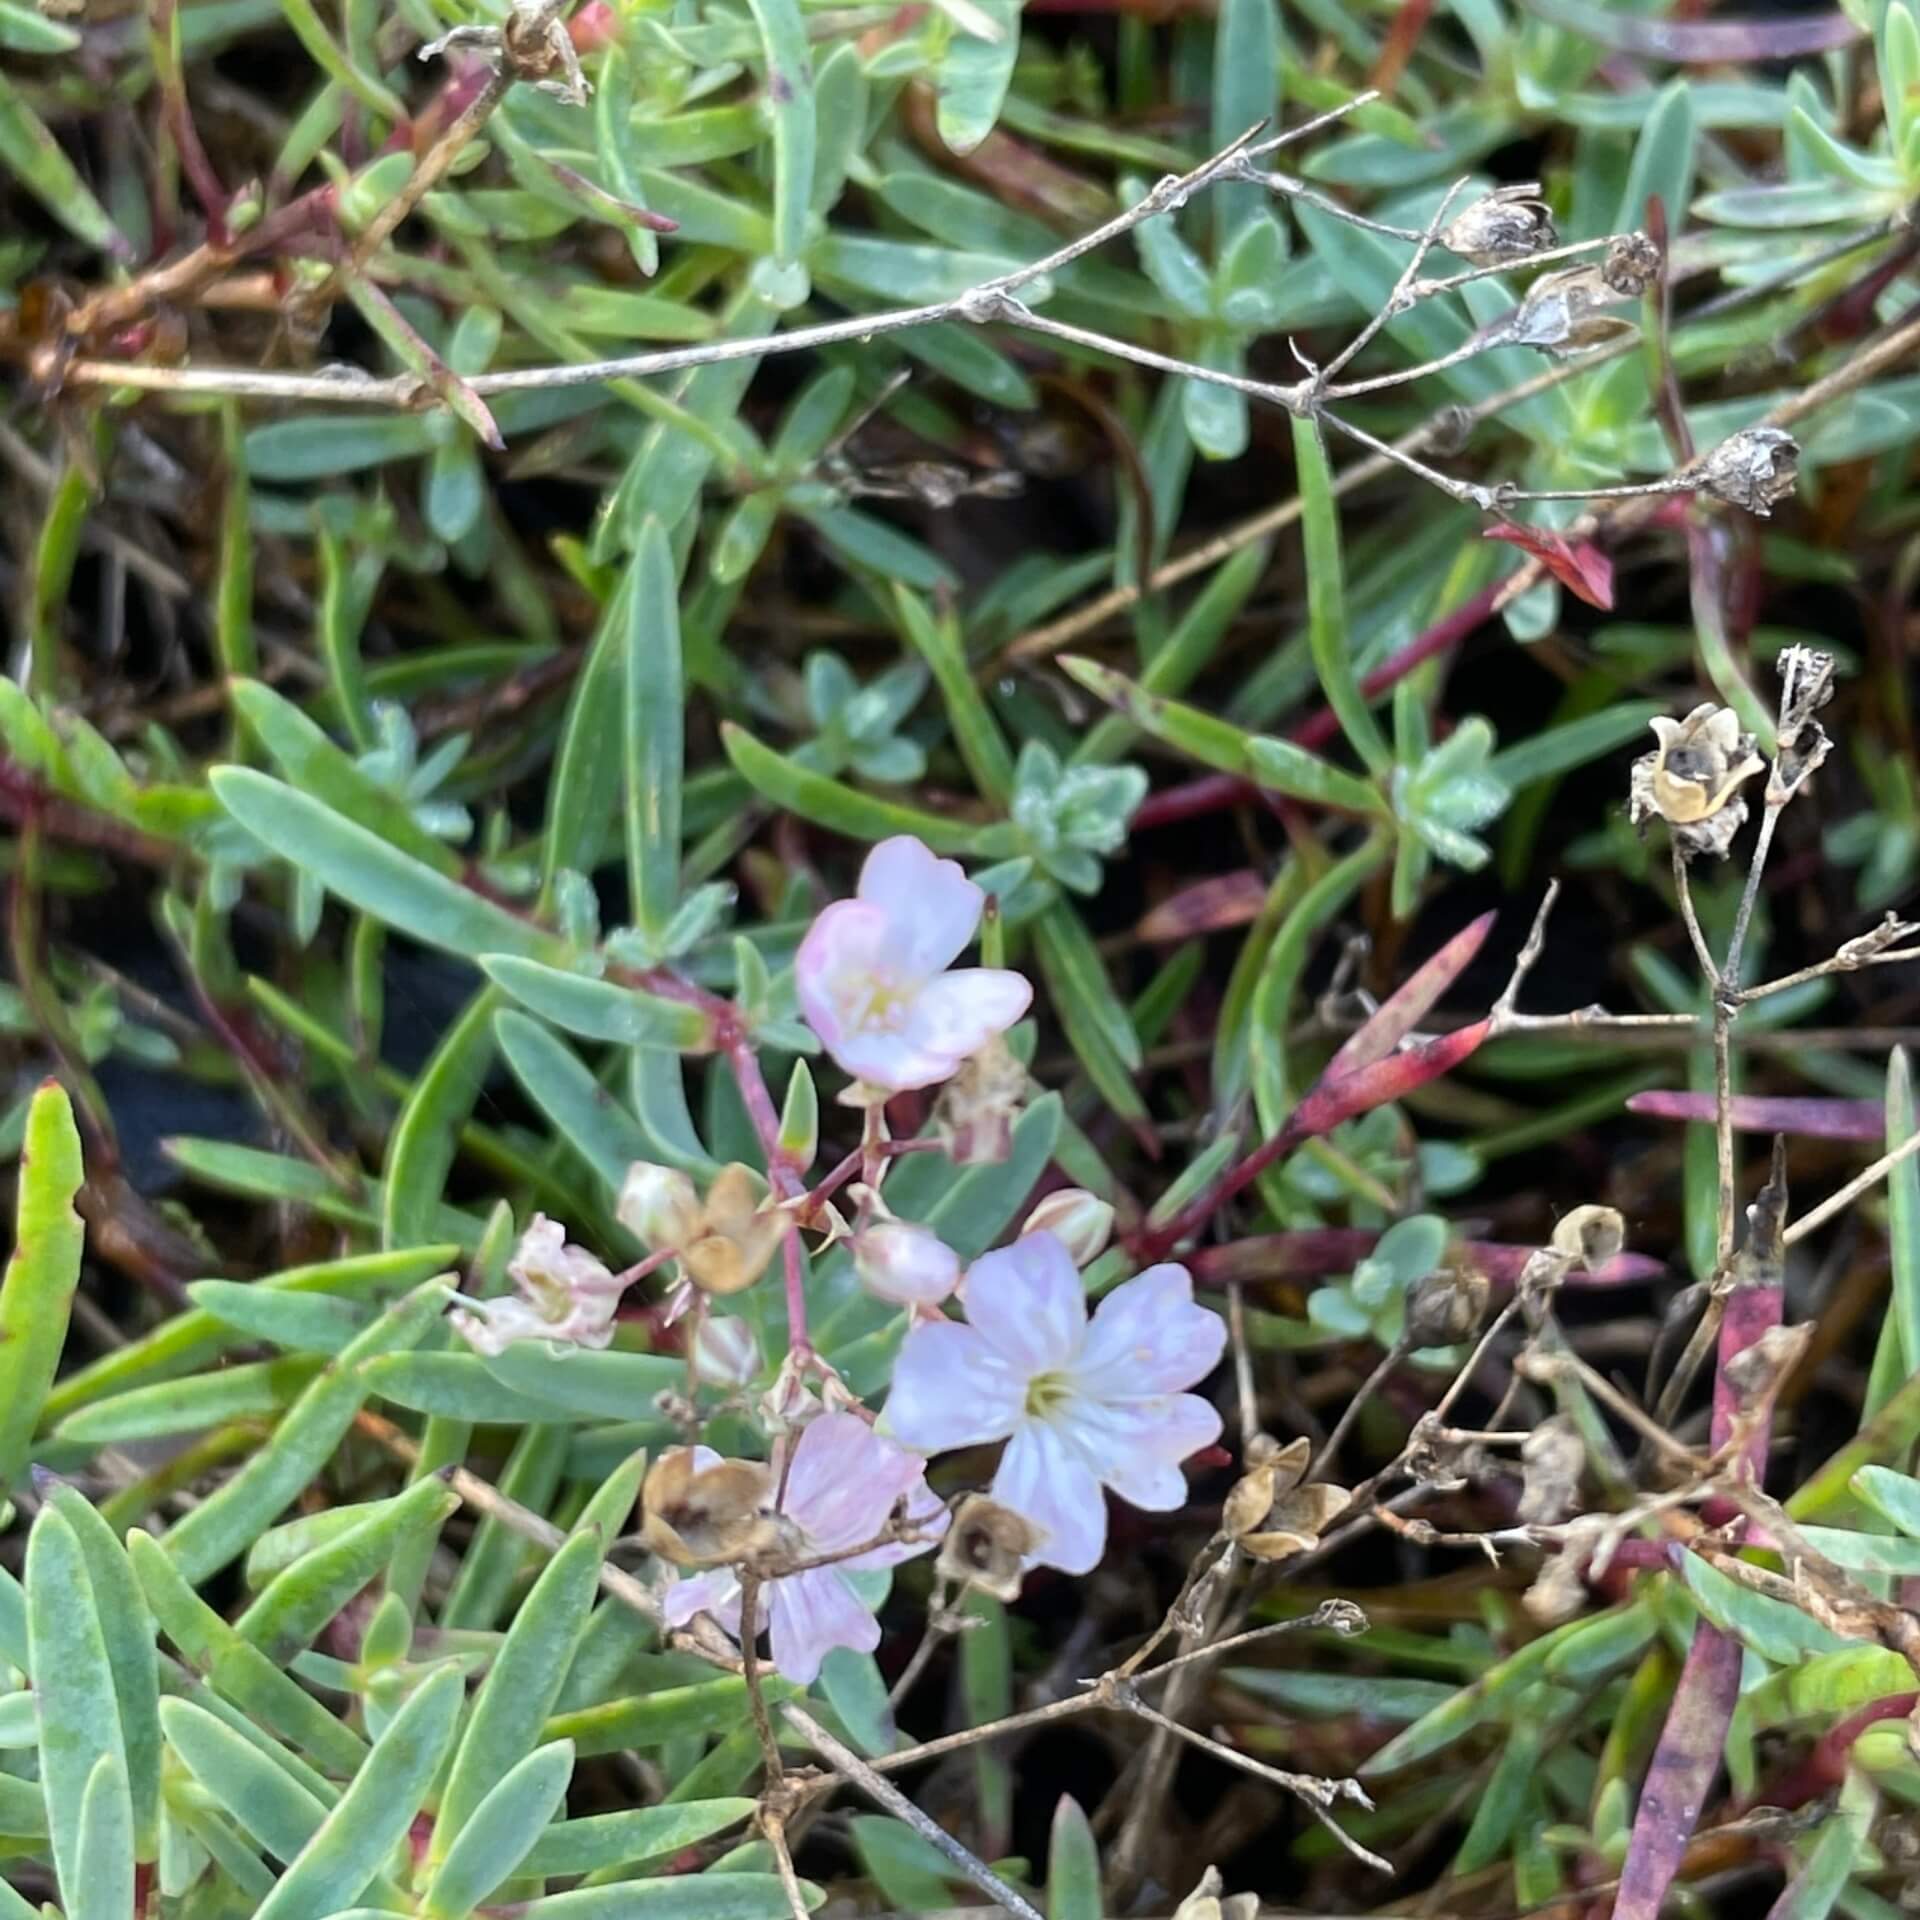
(1047, 1393)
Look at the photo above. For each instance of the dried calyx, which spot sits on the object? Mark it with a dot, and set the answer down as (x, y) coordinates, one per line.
(1806, 685)
(1752, 469)
(1567, 312)
(974, 1117)
(987, 1546)
(1269, 1514)
(1206, 1903)
(700, 1510)
(1552, 1459)
(1692, 779)
(1509, 224)
(1446, 1307)
(725, 1243)
(1590, 1236)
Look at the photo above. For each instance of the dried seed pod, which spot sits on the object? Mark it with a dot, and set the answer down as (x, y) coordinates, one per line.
(974, 1117)
(1567, 312)
(1445, 1307)
(1205, 1902)
(1692, 779)
(1752, 469)
(1558, 1591)
(1631, 264)
(1269, 1515)
(1507, 225)
(1806, 685)
(701, 1510)
(1591, 1235)
(1552, 1459)
(987, 1546)
(740, 1233)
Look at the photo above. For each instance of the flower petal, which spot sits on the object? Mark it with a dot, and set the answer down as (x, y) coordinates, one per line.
(932, 906)
(1027, 1301)
(1136, 1446)
(1148, 1337)
(808, 1615)
(956, 1014)
(1045, 1479)
(717, 1593)
(952, 1388)
(848, 942)
(845, 1480)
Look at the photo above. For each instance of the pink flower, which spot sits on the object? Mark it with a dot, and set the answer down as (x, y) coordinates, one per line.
(844, 1482)
(563, 1293)
(872, 972)
(1082, 1406)
(908, 1265)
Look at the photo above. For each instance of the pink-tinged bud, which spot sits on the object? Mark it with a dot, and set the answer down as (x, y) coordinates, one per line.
(724, 1353)
(1079, 1220)
(659, 1207)
(905, 1264)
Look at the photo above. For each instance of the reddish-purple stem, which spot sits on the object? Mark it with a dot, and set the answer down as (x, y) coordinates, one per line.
(1752, 1113)
(1308, 1253)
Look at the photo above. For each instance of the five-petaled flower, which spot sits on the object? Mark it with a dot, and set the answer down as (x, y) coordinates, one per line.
(1082, 1405)
(873, 980)
(562, 1293)
(844, 1483)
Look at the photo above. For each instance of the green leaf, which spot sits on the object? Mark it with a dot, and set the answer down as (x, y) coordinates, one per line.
(24, 29)
(75, 1699)
(37, 1293)
(320, 446)
(520, 1687)
(372, 1817)
(583, 1113)
(691, 1896)
(666, 1713)
(598, 1009)
(622, 1839)
(1327, 633)
(789, 105)
(34, 157)
(1662, 160)
(368, 873)
(298, 1602)
(610, 1385)
(105, 1890)
(504, 1826)
(1245, 91)
(1073, 1865)
(302, 1323)
(587, 767)
(221, 1528)
(970, 81)
(426, 1136)
(260, 1795)
(1774, 1629)
(1554, 750)
(842, 809)
(854, 1688)
(458, 1386)
(655, 687)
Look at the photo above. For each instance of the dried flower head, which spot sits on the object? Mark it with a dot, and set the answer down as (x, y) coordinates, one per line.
(987, 1546)
(1806, 685)
(1269, 1514)
(1205, 1902)
(1752, 469)
(739, 1233)
(659, 1207)
(700, 1510)
(1692, 779)
(561, 1292)
(1631, 264)
(1590, 1235)
(1509, 224)
(1079, 1220)
(1559, 1591)
(1757, 1372)
(1567, 312)
(974, 1117)
(1445, 1307)
(1552, 1459)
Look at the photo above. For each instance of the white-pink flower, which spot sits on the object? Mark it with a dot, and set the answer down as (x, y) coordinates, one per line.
(561, 1293)
(908, 1265)
(1082, 1405)
(844, 1482)
(873, 980)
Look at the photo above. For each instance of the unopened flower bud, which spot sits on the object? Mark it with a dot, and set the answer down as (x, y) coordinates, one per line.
(1692, 779)
(909, 1265)
(659, 1207)
(1752, 469)
(702, 1510)
(1079, 1220)
(1631, 264)
(1446, 1306)
(1507, 225)
(725, 1352)
(739, 1233)
(1591, 1235)
(987, 1546)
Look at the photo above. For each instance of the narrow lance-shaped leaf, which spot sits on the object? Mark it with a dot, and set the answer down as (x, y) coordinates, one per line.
(1073, 1865)
(654, 705)
(261, 1796)
(1411, 1002)
(425, 1138)
(504, 1827)
(105, 1889)
(37, 1293)
(790, 105)
(600, 1009)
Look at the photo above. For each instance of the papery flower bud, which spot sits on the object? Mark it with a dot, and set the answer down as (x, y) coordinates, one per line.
(1752, 469)
(1205, 1903)
(1631, 263)
(1269, 1515)
(1691, 780)
(974, 1117)
(725, 1352)
(739, 1234)
(987, 1547)
(701, 1510)
(1591, 1235)
(1506, 225)
(659, 1207)
(1445, 1307)
(911, 1266)
(1082, 1222)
